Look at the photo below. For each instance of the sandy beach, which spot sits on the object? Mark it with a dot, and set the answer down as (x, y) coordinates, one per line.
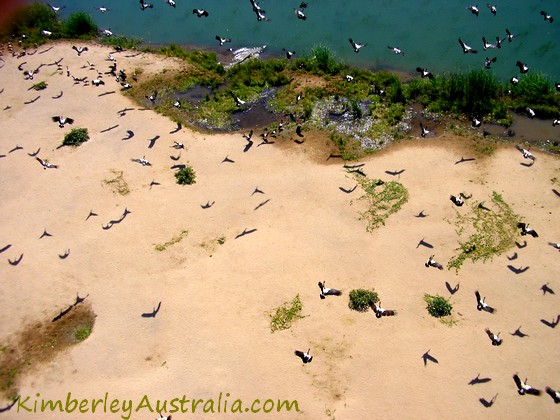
(217, 285)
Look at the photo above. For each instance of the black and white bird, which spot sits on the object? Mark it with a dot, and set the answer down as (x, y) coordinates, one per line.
(379, 311)
(221, 40)
(487, 45)
(467, 48)
(79, 50)
(495, 338)
(514, 80)
(239, 102)
(546, 16)
(481, 305)
(46, 33)
(171, 3)
(530, 112)
(430, 262)
(492, 8)
(142, 161)
(510, 36)
(526, 153)
(557, 87)
(177, 145)
(56, 9)
(200, 12)
(555, 395)
(424, 131)
(103, 9)
(304, 356)
(488, 62)
(144, 5)
(476, 122)
(523, 68)
(523, 388)
(161, 417)
(97, 82)
(349, 78)
(526, 230)
(396, 50)
(357, 46)
(62, 120)
(325, 291)
(46, 164)
(177, 104)
(300, 15)
(108, 33)
(152, 97)
(473, 10)
(289, 54)
(457, 200)
(424, 73)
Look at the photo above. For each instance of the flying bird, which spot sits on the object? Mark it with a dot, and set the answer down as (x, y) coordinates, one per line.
(171, 3)
(396, 50)
(300, 15)
(487, 45)
(458, 201)
(424, 73)
(142, 161)
(304, 356)
(79, 50)
(473, 10)
(200, 12)
(325, 291)
(495, 338)
(481, 305)
(523, 68)
(510, 36)
(523, 388)
(62, 120)
(526, 153)
(467, 48)
(289, 54)
(56, 9)
(379, 311)
(46, 164)
(546, 16)
(488, 62)
(526, 230)
(357, 47)
(144, 5)
(221, 40)
(424, 131)
(430, 262)
(555, 395)
(492, 8)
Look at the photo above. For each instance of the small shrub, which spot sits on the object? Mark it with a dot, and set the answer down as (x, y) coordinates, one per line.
(286, 314)
(80, 24)
(39, 86)
(83, 332)
(437, 306)
(361, 300)
(75, 137)
(185, 175)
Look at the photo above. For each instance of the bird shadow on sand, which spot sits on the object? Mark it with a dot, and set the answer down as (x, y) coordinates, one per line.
(545, 289)
(479, 380)
(109, 129)
(261, 204)
(452, 290)
(552, 324)
(348, 191)
(5, 248)
(16, 261)
(516, 270)
(556, 192)
(395, 173)
(518, 333)
(427, 357)
(422, 242)
(10, 405)
(70, 307)
(246, 232)
(107, 93)
(153, 313)
(521, 245)
(488, 404)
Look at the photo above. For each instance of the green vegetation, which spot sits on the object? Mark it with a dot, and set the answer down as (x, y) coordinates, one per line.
(492, 231)
(83, 331)
(75, 137)
(384, 199)
(286, 314)
(80, 25)
(39, 86)
(437, 306)
(118, 183)
(174, 240)
(186, 176)
(361, 299)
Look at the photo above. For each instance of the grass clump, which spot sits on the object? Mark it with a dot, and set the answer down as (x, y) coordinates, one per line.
(83, 331)
(361, 299)
(494, 231)
(437, 306)
(286, 314)
(39, 86)
(118, 183)
(185, 175)
(174, 240)
(75, 137)
(80, 25)
(384, 199)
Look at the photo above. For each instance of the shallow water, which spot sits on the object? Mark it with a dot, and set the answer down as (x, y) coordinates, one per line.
(426, 30)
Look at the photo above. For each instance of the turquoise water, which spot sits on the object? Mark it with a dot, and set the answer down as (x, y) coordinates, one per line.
(426, 30)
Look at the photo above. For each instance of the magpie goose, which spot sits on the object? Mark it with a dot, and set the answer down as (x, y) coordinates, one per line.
(514, 80)
(357, 47)
(79, 50)
(487, 44)
(221, 40)
(530, 112)
(171, 3)
(108, 33)
(526, 153)
(466, 48)
(526, 230)
(424, 73)
(142, 161)
(304, 356)
(473, 10)
(396, 50)
(325, 291)
(457, 200)
(510, 36)
(476, 122)
(97, 82)
(289, 54)
(200, 12)
(424, 130)
(547, 17)
(379, 311)
(164, 417)
(240, 103)
(430, 262)
(62, 120)
(177, 104)
(557, 86)
(495, 338)
(55, 8)
(152, 97)
(555, 395)
(523, 68)
(46, 33)
(144, 5)
(177, 145)
(103, 9)
(481, 305)
(523, 388)
(349, 78)
(488, 62)
(555, 122)
(492, 8)
(300, 15)
(46, 164)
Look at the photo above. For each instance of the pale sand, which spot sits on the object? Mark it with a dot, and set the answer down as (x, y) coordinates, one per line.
(212, 333)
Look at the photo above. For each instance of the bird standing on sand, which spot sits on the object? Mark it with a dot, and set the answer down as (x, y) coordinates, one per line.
(523, 388)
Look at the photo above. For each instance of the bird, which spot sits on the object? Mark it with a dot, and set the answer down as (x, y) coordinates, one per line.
(430, 262)
(526, 230)
(523, 68)
(557, 87)
(325, 291)
(79, 50)
(103, 9)
(300, 15)
(177, 104)
(510, 36)
(171, 3)
(526, 153)
(46, 164)
(424, 73)
(144, 5)
(473, 10)
(495, 338)
(555, 122)
(555, 395)
(488, 62)
(164, 417)
(152, 97)
(396, 50)
(357, 47)
(304, 356)
(289, 54)
(177, 145)
(248, 136)
(492, 8)
(56, 9)
(424, 130)
(514, 80)
(142, 161)
(221, 40)
(530, 112)
(125, 86)
(46, 33)
(379, 311)
(97, 82)
(456, 200)
(487, 44)
(108, 33)
(467, 48)
(481, 304)
(349, 78)
(200, 12)
(62, 120)
(476, 122)
(238, 102)
(546, 16)
(523, 388)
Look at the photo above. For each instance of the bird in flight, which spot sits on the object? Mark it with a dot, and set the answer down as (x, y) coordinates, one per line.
(357, 47)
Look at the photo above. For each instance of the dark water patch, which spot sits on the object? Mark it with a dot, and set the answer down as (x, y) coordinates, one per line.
(195, 95)
(258, 115)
